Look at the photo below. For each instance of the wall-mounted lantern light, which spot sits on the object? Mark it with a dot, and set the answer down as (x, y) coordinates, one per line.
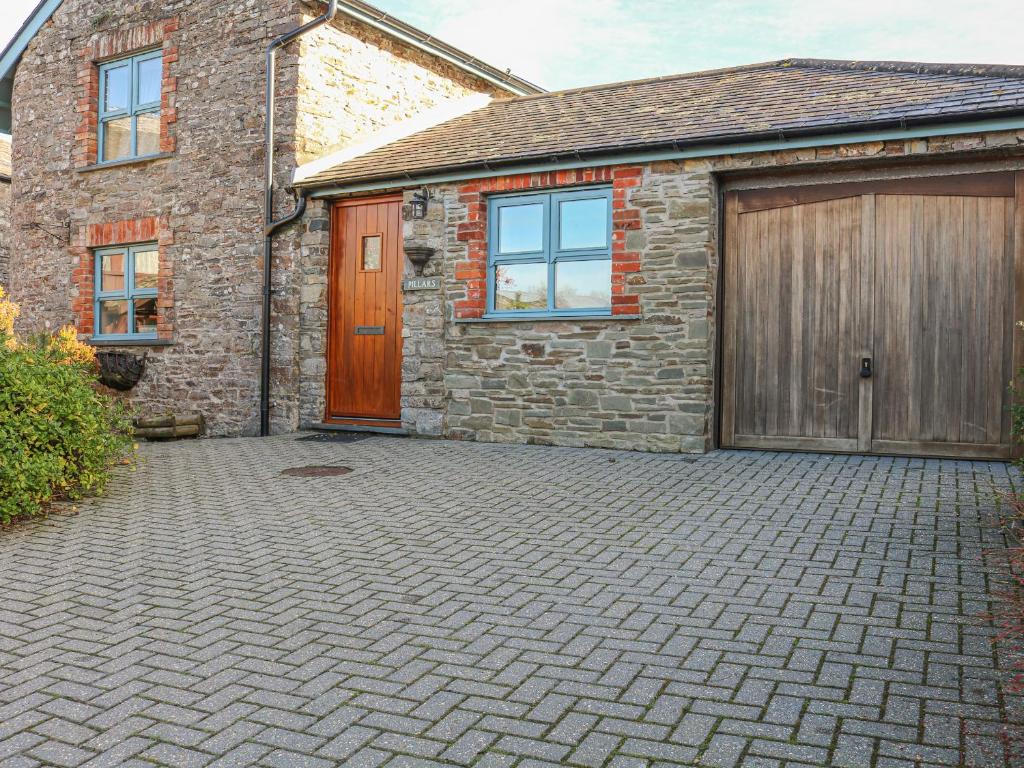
(417, 207)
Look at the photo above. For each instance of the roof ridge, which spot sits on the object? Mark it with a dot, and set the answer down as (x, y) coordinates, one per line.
(643, 80)
(910, 67)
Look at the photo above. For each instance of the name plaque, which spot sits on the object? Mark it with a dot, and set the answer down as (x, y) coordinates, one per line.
(421, 284)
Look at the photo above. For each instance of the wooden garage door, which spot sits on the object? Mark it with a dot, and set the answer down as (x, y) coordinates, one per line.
(871, 317)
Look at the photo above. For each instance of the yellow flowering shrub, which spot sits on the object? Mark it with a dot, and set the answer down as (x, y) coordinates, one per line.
(59, 435)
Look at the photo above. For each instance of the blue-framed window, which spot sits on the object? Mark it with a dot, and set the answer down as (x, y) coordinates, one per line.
(127, 277)
(550, 253)
(130, 107)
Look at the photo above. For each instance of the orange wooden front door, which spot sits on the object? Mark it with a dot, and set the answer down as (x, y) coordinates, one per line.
(364, 340)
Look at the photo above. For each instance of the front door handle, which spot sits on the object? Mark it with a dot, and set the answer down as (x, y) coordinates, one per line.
(865, 367)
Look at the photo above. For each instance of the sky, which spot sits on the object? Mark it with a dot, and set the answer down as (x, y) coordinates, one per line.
(569, 43)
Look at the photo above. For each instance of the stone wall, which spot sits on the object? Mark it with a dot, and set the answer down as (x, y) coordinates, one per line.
(5, 207)
(639, 379)
(205, 188)
(645, 383)
(352, 82)
(208, 189)
(355, 81)
(311, 341)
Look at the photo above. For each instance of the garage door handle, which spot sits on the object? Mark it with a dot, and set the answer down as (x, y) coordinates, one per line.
(865, 368)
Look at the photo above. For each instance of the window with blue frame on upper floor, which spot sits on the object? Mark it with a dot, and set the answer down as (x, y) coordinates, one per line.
(127, 278)
(550, 253)
(130, 107)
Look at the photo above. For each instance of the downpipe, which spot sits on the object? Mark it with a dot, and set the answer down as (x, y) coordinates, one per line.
(269, 224)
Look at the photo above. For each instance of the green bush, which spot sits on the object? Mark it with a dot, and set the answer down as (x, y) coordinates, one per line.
(59, 435)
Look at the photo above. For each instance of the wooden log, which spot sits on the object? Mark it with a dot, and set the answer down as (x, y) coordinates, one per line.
(169, 431)
(152, 422)
(155, 433)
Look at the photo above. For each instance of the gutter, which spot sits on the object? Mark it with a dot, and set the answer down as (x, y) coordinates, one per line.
(766, 141)
(269, 224)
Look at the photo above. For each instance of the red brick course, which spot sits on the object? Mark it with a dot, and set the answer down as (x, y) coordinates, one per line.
(473, 271)
(148, 229)
(116, 44)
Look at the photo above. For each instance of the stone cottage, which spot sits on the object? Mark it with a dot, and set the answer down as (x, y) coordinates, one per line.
(138, 184)
(801, 254)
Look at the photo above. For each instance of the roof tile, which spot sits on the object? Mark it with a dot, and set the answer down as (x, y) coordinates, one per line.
(782, 97)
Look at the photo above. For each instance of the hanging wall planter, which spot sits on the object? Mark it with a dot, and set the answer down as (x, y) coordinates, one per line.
(419, 255)
(121, 370)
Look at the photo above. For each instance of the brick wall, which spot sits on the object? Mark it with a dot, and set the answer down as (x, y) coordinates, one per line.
(472, 273)
(149, 229)
(112, 44)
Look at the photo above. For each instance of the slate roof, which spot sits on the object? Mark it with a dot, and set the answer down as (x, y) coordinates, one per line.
(788, 98)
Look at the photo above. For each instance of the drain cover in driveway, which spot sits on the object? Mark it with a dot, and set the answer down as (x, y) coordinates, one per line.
(336, 437)
(316, 471)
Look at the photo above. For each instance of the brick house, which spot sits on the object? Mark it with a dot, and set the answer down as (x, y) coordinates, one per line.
(801, 254)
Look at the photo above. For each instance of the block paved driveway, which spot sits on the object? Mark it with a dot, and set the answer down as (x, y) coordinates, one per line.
(467, 604)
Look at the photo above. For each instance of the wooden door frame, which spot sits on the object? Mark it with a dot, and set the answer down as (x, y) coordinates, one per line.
(1017, 356)
(896, 178)
(333, 266)
(724, 416)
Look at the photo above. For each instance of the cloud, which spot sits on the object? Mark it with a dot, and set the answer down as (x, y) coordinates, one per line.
(565, 43)
(545, 41)
(11, 17)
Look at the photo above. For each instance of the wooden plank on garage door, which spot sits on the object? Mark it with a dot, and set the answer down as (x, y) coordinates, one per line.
(796, 325)
(943, 324)
(1017, 355)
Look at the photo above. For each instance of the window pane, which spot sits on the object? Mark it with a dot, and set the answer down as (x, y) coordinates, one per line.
(520, 286)
(584, 223)
(115, 88)
(371, 252)
(149, 73)
(117, 138)
(147, 267)
(583, 284)
(147, 134)
(112, 272)
(145, 316)
(521, 228)
(114, 316)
